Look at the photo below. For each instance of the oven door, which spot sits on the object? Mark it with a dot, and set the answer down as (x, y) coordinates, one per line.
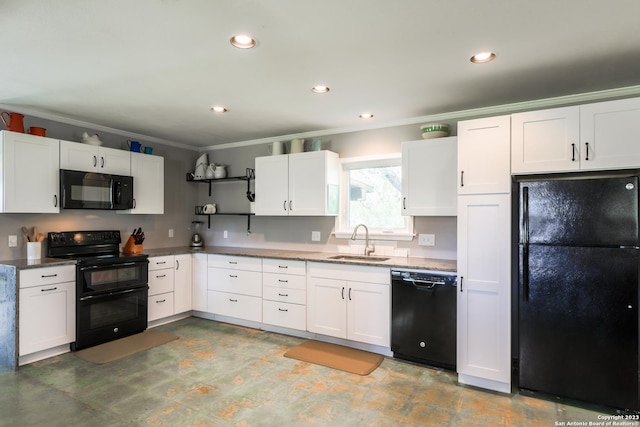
(106, 317)
(110, 277)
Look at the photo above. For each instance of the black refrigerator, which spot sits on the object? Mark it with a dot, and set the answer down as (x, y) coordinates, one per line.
(578, 289)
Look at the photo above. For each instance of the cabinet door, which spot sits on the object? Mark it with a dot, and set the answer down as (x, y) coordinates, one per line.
(78, 157)
(148, 184)
(114, 161)
(199, 275)
(160, 306)
(545, 141)
(369, 313)
(272, 185)
(326, 307)
(484, 155)
(47, 317)
(429, 184)
(484, 304)
(182, 283)
(310, 190)
(609, 135)
(31, 178)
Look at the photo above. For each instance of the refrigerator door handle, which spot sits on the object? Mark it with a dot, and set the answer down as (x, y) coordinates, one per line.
(525, 243)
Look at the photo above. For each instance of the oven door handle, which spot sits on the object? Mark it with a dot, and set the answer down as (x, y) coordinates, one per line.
(126, 291)
(101, 267)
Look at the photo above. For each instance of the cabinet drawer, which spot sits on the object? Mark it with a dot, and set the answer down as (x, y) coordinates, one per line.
(236, 281)
(286, 315)
(284, 266)
(234, 305)
(160, 306)
(160, 262)
(235, 262)
(47, 275)
(295, 296)
(284, 281)
(161, 281)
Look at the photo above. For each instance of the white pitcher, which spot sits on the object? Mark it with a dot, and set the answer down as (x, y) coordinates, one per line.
(276, 148)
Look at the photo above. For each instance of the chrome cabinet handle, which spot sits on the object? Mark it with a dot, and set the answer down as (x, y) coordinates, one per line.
(233, 300)
(101, 161)
(283, 281)
(282, 309)
(161, 301)
(283, 295)
(233, 275)
(404, 203)
(161, 277)
(461, 279)
(349, 294)
(177, 265)
(343, 292)
(284, 205)
(55, 201)
(48, 275)
(95, 161)
(48, 289)
(573, 152)
(461, 178)
(283, 266)
(290, 205)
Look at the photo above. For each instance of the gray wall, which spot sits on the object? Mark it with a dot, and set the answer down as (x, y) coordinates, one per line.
(295, 232)
(181, 197)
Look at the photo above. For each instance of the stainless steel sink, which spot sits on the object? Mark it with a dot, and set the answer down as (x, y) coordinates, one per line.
(359, 258)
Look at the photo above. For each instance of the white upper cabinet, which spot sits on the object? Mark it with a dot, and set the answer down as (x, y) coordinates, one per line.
(89, 158)
(546, 140)
(29, 173)
(148, 184)
(610, 134)
(483, 156)
(598, 136)
(429, 184)
(301, 184)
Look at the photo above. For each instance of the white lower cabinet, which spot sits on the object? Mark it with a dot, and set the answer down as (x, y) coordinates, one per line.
(199, 285)
(47, 308)
(284, 295)
(234, 287)
(170, 284)
(351, 302)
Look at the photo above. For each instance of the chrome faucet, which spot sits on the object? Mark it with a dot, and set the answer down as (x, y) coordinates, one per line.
(367, 250)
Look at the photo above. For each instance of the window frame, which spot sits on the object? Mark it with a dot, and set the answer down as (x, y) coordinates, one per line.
(341, 230)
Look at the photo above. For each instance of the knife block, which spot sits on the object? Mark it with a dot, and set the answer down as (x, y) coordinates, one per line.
(131, 248)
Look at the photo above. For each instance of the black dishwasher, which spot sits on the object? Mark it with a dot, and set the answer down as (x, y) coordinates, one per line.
(423, 317)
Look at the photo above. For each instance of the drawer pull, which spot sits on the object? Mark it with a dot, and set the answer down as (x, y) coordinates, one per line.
(160, 301)
(160, 262)
(283, 295)
(48, 289)
(282, 309)
(233, 262)
(161, 277)
(283, 266)
(233, 275)
(283, 281)
(45, 276)
(233, 300)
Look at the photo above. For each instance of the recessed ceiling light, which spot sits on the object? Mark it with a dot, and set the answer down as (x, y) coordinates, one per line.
(481, 57)
(243, 41)
(320, 89)
(218, 109)
(365, 115)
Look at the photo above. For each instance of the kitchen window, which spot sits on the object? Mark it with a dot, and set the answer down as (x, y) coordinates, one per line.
(371, 194)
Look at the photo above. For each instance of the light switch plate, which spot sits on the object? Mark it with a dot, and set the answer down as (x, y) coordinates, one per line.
(171, 232)
(427, 239)
(13, 241)
(315, 236)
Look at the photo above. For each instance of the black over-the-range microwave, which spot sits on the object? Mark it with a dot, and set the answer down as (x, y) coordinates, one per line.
(89, 190)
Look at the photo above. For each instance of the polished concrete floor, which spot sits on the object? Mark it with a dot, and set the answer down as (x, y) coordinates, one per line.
(223, 375)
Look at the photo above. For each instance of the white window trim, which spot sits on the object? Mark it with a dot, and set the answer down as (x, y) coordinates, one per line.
(341, 230)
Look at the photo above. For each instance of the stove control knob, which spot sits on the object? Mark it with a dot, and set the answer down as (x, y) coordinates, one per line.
(115, 330)
(423, 344)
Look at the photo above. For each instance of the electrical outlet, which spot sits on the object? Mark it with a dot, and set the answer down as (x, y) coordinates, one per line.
(427, 239)
(171, 232)
(315, 236)
(13, 241)
(225, 234)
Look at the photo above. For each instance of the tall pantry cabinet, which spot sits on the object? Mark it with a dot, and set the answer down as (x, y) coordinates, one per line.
(484, 269)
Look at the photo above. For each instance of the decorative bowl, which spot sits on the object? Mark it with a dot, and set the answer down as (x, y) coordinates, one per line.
(434, 130)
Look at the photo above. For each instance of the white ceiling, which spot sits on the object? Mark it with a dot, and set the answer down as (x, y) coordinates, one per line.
(155, 67)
